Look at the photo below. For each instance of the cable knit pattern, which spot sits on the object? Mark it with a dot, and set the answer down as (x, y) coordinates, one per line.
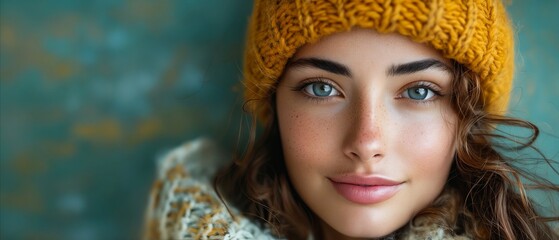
(476, 33)
(183, 204)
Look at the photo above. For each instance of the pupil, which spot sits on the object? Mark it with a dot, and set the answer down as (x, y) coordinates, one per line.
(322, 90)
(418, 93)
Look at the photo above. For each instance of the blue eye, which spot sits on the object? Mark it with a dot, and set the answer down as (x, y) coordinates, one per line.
(419, 93)
(320, 89)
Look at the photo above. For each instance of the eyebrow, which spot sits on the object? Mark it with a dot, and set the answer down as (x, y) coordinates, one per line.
(326, 65)
(340, 69)
(412, 67)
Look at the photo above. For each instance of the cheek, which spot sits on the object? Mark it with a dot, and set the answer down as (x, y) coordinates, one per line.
(428, 146)
(299, 134)
(307, 138)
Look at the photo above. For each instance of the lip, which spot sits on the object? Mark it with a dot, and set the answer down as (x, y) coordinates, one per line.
(365, 189)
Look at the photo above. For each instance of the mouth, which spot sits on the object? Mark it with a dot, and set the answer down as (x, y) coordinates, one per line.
(365, 189)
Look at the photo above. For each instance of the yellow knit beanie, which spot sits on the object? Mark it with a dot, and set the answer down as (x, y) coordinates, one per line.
(475, 33)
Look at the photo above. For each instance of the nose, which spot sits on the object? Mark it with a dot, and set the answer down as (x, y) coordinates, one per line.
(364, 136)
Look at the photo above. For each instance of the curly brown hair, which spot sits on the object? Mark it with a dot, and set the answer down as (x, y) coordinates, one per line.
(488, 187)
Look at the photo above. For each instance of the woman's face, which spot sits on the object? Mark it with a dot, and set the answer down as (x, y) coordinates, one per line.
(367, 130)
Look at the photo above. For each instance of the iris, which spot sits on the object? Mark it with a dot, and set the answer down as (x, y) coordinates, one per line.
(321, 89)
(418, 93)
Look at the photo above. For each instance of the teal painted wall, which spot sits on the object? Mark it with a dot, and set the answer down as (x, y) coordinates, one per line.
(92, 91)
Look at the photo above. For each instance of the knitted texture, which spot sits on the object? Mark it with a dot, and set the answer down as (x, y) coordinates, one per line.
(475, 33)
(184, 205)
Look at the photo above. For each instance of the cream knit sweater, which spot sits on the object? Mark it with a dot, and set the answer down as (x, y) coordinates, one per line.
(184, 205)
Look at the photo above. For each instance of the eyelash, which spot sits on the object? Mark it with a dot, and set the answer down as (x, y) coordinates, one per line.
(421, 84)
(301, 86)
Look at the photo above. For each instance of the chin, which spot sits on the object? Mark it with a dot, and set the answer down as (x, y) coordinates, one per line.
(372, 235)
(364, 231)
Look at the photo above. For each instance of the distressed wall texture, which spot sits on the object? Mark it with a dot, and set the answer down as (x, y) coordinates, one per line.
(92, 91)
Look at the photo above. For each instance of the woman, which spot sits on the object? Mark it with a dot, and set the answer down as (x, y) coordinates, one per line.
(379, 122)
